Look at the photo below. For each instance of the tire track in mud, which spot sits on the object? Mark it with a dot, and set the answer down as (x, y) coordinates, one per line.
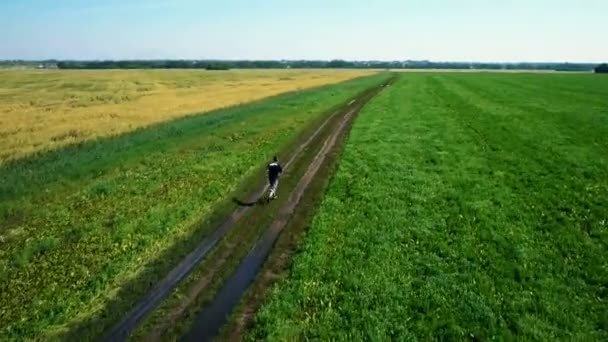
(213, 316)
(121, 330)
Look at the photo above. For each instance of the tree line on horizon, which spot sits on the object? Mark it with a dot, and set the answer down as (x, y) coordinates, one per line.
(300, 64)
(307, 64)
(602, 69)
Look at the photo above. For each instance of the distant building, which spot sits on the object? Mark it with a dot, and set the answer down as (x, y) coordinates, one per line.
(47, 66)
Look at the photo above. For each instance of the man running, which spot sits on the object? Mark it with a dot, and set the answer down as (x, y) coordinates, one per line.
(274, 170)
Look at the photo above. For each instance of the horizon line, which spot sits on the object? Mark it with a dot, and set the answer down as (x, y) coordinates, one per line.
(291, 60)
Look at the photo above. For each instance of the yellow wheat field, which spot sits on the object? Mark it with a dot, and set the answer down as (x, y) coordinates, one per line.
(41, 110)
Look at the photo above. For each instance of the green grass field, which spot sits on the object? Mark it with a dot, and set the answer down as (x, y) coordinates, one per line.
(465, 206)
(87, 229)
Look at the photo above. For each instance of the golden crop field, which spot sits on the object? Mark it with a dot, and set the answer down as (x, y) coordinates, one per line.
(46, 109)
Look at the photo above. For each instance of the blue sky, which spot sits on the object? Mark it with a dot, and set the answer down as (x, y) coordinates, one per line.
(440, 30)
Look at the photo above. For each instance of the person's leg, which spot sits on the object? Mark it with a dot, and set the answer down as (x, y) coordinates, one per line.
(273, 189)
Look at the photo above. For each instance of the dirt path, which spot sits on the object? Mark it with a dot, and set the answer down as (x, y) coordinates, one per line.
(122, 330)
(215, 314)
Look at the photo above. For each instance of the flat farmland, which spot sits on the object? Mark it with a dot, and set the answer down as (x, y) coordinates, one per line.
(87, 229)
(414, 206)
(42, 110)
(465, 206)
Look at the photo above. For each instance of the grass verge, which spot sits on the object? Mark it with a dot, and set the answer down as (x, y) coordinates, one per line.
(464, 207)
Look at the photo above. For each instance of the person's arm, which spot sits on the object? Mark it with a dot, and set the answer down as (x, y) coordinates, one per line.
(280, 169)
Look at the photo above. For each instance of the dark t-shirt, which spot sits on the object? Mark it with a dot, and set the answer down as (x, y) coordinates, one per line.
(274, 169)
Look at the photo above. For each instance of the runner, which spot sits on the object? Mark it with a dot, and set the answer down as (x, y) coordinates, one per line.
(274, 170)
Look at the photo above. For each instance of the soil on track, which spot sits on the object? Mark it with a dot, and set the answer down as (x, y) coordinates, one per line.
(325, 137)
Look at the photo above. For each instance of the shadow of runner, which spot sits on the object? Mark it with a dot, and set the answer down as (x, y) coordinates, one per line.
(259, 201)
